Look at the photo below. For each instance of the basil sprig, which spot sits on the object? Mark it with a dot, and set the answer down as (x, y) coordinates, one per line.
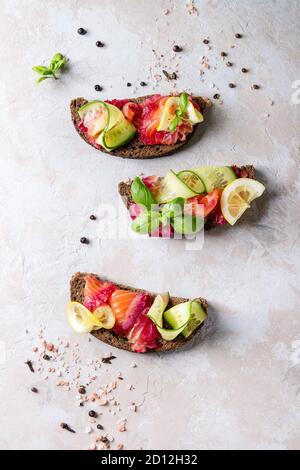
(141, 194)
(183, 103)
(151, 219)
(172, 209)
(58, 61)
(146, 222)
(187, 224)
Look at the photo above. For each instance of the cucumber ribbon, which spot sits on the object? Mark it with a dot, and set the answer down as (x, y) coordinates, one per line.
(172, 333)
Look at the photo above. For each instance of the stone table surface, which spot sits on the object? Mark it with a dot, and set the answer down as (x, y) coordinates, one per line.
(240, 387)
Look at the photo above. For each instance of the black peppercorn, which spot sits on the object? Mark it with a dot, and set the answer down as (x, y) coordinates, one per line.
(216, 96)
(129, 84)
(238, 35)
(99, 44)
(34, 390)
(99, 426)
(177, 48)
(143, 84)
(81, 31)
(255, 87)
(93, 217)
(224, 54)
(82, 390)
(98, 88)
(244, 70)
(232, 85)
(84, 241)
(92, 414)
(205, 41)
(229, 64)
(46, 357)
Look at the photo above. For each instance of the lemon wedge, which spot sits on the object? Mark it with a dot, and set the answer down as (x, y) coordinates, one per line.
(171, 106)
(193, 115)
(237, 197)
(105, 316)
(80, 318)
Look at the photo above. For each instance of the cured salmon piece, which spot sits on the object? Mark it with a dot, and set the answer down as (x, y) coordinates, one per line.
(144, 335)
(146, 117)
(152, 112)
(96, 292)
(120, 302)
(130, 311)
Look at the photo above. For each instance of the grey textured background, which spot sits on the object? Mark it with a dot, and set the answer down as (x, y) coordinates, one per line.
(240, 388)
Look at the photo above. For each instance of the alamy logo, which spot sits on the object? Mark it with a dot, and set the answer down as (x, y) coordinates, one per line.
(296, 94)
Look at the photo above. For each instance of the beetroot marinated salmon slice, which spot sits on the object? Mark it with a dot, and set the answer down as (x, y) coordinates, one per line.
(97, 292)
(152, 112)
(146, 117)
(130, 310)
(144, 335)
(142, 302)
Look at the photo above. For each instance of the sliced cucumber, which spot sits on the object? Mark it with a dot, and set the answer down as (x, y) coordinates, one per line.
(197, 317)
(95, 116)
(156, 315)
(169, 335)
(98, 115)
(172, 187)
(119, 135)
(92, 107)
(179, 315)
(215, 176)
(158, 307)
(192, 180)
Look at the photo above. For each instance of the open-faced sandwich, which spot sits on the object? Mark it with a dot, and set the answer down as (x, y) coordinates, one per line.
(132, 319)
(146, 127)
(184, 203)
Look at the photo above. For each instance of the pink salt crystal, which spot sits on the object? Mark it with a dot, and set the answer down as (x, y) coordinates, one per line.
(122, 425)
(102, 402)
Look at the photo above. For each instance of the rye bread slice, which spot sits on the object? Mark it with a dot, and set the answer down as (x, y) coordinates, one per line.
(124, 188)
(136, 149)
(77, 285)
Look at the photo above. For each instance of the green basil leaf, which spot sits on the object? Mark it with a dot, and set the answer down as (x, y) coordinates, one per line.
(184, 100)
(58, 56)
(141, 194)
(146, 222)
(57, 65)
(41, 79)
(172, 209)
(174, 123)
(40, 69)
(187, 224)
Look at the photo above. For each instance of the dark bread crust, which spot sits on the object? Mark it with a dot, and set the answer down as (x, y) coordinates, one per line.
(77, 285)
(136, 149)
(124, 188)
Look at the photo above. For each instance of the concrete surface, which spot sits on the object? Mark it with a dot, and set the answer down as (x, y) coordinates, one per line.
(241, 387)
